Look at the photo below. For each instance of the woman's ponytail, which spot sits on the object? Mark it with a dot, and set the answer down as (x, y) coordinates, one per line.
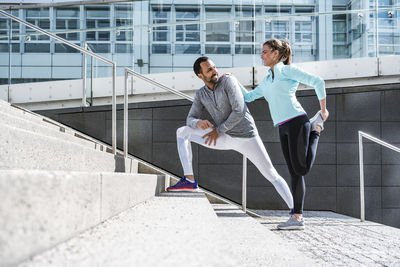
(286, 53)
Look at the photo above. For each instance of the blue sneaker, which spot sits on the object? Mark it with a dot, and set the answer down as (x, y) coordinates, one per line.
(183, 186)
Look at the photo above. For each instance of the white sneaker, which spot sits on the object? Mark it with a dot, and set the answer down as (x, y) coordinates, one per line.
(317, 121)
(292, 224)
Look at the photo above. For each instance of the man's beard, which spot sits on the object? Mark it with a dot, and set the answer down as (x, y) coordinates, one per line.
(212, 80)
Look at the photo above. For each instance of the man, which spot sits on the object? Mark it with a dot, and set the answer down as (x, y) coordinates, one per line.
(234, 128)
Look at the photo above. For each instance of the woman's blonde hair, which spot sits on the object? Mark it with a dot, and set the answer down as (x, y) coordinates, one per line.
(284, 49)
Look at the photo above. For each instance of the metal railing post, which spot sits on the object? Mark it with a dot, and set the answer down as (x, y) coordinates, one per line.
(360, 145)
(114, 109)
(91, 80)
(244, 186)
(361, 158)
(126, 115)
(9, 23)
(84, 77)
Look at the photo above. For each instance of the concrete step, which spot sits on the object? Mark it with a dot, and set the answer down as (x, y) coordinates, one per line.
(254, 244)
(174, 229)
(41, 127)
(22, 149)
(40, 209)
(34, 117)
(9, 109)
(47, 122)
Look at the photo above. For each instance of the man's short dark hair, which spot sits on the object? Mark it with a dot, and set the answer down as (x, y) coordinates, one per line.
(196, 65)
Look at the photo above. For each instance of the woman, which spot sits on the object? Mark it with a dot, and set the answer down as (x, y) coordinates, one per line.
(298, 135)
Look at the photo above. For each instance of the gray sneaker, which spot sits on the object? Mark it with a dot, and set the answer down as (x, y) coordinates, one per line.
(292, 224)
(317, 120)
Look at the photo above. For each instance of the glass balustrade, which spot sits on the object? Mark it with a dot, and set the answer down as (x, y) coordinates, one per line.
(167, 36)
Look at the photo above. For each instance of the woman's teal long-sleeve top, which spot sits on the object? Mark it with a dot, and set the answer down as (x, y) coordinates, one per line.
(280, 92)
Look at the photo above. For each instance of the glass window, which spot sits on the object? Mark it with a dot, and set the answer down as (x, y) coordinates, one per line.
(4, 33)
(124, 48)
(189, 32)
(124, 18)
(161, 16)
(161, 34)
(4, 29)
(161, 49)
(4, 48)
(37, 48)
(187, 49)
(340, 51)
(40, 18)
(339, 37)
(277, 29)
(63, 48)
(277, 10)
(303, 31)
(304, 9)
(218, 32)
(38, 13)
(99, 48)
(244, 29)
(218, 49)
(67, 19)
(339, 25)
(98, 17)
(72, 12)
(98, 12)
(243, 49)
(187, 36)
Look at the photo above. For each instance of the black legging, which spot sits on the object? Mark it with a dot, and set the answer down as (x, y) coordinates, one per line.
(299, 146)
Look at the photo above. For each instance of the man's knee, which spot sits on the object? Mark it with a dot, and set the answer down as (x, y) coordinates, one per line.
(181, 131)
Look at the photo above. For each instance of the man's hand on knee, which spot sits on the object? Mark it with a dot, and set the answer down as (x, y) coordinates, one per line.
(211, 137)
(204, 124)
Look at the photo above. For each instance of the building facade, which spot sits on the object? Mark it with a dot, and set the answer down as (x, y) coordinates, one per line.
(164, 36)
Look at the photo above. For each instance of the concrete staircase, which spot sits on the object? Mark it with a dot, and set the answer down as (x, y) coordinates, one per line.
(55, 185)
(66, 201)
(175, 229)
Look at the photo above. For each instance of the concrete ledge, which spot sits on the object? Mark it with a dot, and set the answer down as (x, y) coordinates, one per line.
(254, 244)
(6, 107)
(21, 149)
(145, 168)
(39, 209)
(119, 194)
(41, 127)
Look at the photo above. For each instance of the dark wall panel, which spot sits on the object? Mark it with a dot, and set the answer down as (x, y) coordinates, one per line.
(333, 182)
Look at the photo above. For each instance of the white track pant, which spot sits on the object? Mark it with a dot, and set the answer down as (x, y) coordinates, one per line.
(252, 148)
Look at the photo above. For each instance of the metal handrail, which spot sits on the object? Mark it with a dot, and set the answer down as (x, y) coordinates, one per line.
(84, 51)
(84, 72)
(361, 158)
(162, 86)
(176, 92)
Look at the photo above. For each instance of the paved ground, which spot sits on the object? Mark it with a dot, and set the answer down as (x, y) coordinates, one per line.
(336, 240)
